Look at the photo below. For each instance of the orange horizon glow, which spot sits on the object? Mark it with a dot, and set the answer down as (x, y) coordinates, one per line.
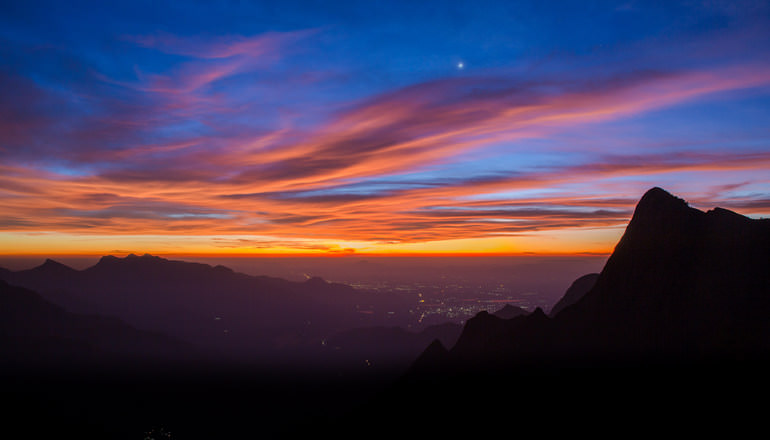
(545, 243)
(309, 255)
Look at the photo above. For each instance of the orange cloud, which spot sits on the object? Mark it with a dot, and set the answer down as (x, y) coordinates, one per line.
(331, 183)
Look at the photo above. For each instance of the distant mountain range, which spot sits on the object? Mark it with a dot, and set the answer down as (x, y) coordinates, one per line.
(220, 315)
(36, 333)
(230, 316)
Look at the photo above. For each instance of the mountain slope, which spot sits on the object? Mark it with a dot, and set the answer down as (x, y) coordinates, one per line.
(675, 331)
(395, 347)
(576, 290)
(508, 312)
(35, 332)
(229, 314)
(682, 284)
(387, 348)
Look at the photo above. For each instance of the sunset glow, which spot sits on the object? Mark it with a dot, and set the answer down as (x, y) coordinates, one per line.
(294, 131)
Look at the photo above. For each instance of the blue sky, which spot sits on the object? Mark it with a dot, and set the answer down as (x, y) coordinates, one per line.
(345, 124)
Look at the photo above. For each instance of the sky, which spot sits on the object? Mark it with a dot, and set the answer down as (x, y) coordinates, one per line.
(333, 128)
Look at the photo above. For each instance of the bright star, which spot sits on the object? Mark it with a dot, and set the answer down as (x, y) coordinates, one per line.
(460, 65)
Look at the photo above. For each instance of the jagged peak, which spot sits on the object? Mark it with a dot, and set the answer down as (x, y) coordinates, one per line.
(659, 199)
(658, 212)
(145, 256)
(538, 313)
(112, 259)
(664, 214)
(483, 319)
(53, 264)
(437, 347)
(107, 261)
(727, 214)
(434, 356)
(510, 311)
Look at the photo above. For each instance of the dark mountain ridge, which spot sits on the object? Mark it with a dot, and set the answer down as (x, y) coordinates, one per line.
(227, 314)
(394, 348)
(681, 284)
(674, 335)
(576, 290)
(509, 311)
(684, 291)
(35, 333)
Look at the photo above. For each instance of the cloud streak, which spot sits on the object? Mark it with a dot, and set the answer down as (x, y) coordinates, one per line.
(188, 150)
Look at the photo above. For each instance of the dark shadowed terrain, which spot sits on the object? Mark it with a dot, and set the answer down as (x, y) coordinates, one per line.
(673, 334)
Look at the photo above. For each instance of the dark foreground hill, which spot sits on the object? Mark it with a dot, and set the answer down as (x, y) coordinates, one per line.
(682, 285)
(673, 335)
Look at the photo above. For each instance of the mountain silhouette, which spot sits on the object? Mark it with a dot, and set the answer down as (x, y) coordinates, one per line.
(64, 374)
(34, 333)
(681, 284)
(112, 350)
(390, 348)
(676, 321)
(673, 334)
(508, 311)
(232, 316)
(394, 347)
(576, 290)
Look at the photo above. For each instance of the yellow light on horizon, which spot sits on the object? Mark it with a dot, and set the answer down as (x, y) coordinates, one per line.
(565, 241)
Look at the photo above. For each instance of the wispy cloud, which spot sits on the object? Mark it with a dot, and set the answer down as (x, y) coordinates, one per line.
(175, 152)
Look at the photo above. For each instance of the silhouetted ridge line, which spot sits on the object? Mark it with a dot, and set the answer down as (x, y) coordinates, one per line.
(232, 316)
(682, 285)
(509, 311)
(50, 266)
(49, 263)
(433, 358)
(576, 290)
(678, 316)
(35, 332)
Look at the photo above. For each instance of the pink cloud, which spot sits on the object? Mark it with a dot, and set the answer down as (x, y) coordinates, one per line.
(247, 182)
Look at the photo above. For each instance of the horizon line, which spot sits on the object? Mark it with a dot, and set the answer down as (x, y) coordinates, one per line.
(304, 254)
